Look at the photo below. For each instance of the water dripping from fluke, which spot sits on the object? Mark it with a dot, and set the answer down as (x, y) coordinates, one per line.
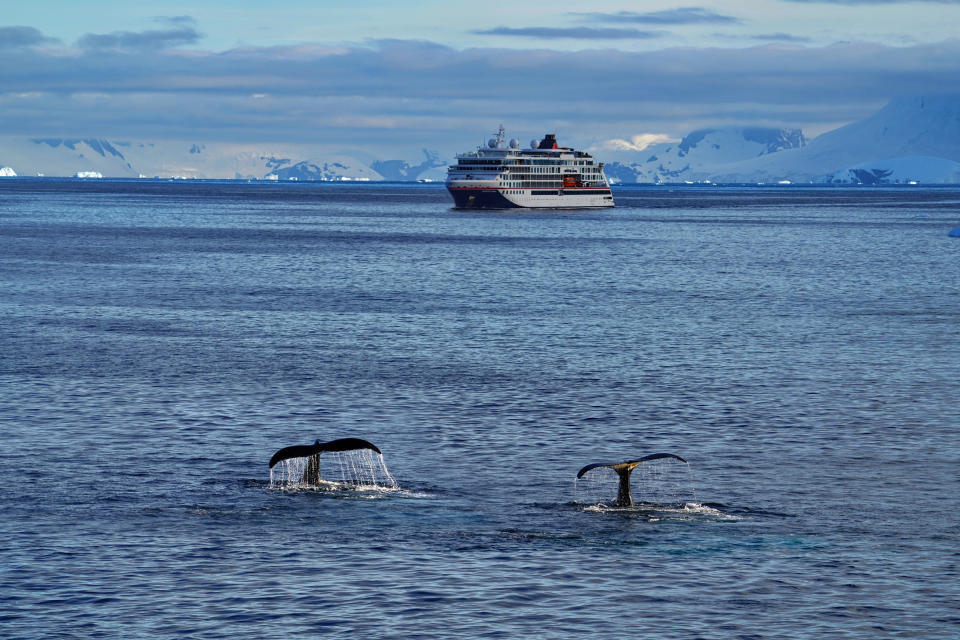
(664, 482)
(349, 463)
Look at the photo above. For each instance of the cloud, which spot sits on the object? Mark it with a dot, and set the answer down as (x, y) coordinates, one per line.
(13, 37)
(580, 33)
(678, 16)
(777, 37)
(638, 142)
(180, 32)
(411, 94)
(765, 37)
(176, 20)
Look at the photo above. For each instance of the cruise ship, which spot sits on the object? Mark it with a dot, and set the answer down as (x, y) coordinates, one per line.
(504, 176)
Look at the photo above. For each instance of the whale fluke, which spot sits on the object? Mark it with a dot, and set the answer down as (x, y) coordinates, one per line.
(306, 450)
(296, 451)
(624, 469)
(634, 463)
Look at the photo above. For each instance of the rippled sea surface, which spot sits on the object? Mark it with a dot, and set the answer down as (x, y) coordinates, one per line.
(799, 347)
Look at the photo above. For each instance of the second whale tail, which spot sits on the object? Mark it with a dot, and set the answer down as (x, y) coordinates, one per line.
(624, 469)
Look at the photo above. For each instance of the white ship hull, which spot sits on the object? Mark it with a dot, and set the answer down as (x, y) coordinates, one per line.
(470, 197)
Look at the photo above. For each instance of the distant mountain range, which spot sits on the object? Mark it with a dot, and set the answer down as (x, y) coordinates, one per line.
(909, 140)
(174, 159)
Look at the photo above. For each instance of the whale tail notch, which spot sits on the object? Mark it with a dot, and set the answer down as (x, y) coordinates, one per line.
(624, 469)
(315, 449)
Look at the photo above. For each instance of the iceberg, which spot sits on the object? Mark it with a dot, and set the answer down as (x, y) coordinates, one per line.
(7, 172)
(88, 174)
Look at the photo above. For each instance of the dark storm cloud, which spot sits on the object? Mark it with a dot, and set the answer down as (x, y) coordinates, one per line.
(418, 93)
(11, 37)
(580, 33)
(678, 16)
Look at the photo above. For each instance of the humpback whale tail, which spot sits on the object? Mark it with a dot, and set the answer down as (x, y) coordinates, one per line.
(311, 474)
(305, 450)
(624, 469)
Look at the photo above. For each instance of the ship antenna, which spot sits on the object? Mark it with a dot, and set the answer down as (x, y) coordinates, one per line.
(501, 134)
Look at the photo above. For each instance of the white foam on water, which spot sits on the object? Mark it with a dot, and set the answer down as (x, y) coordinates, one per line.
(697, 509)
(599, 508)
(659, 512)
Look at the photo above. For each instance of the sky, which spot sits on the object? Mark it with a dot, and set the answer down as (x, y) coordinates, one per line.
(394, 77)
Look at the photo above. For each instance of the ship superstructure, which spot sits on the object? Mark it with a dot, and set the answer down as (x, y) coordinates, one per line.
(503, 176)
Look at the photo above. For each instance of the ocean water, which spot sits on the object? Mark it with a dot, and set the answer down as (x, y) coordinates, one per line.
(799, 347)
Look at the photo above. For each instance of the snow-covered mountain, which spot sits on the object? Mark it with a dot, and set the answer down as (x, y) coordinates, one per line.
(905, 138)
(911, 139)
(112, 158)
(400, 170)
(905, 127)
(696, 156)
(332, 168)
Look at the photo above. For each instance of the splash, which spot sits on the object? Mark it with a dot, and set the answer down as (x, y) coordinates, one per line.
(650, 512)
(666, 481)
(357, 469)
